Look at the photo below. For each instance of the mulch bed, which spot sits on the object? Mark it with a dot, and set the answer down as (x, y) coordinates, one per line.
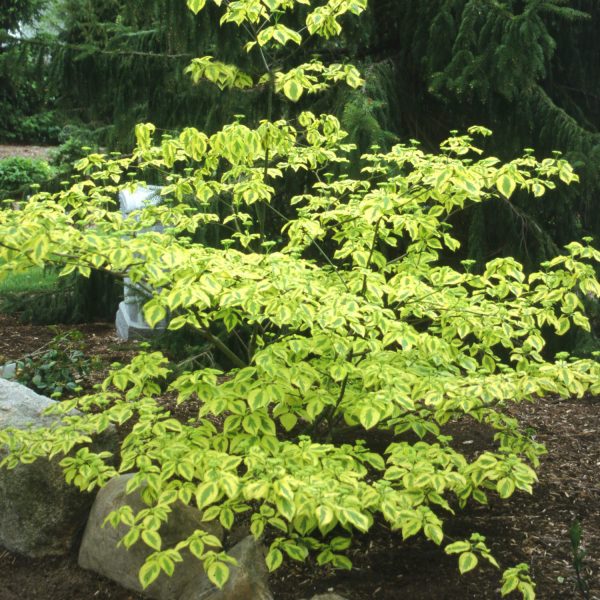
(25, 151)
(532, 529)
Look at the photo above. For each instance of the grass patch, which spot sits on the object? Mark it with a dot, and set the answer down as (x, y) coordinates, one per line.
(35, 279)
(40, 297)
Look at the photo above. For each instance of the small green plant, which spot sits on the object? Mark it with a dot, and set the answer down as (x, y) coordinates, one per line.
(19, 174)
(579, 554)
(468, 552)
(517, 579)
(57, 369)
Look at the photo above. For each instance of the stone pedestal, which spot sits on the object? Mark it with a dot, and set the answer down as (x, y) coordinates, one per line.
(130, 322)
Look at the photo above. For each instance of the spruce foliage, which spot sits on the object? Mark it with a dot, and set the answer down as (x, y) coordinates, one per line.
(525, 69)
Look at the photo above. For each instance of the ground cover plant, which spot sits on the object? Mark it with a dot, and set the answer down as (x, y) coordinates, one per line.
(348, 329)
(58, 368)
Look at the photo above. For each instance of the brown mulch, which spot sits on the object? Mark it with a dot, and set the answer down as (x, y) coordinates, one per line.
(532, 529)
(7, 150)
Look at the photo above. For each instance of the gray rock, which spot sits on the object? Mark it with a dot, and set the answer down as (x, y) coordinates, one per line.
(99, 551)
(328, 596)
(247, 580)
(9, 370)
(40, 515)
(22, 408)
(237, 533)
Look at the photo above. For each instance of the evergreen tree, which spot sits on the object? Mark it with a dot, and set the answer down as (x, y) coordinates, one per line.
(22, 74)
(525, 68)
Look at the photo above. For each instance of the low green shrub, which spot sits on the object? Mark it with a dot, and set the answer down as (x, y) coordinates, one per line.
(20, 175)
(41, 297)
(41, 128)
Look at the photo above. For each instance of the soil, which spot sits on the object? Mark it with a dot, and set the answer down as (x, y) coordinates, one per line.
(528, 528)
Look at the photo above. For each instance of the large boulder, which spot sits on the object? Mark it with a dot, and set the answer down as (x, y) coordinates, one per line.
(100, 552)
(247, 580)
(40, 515)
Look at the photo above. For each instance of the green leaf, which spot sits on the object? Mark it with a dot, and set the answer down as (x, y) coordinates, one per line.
(295, 551)
(353, 78)
(274, 559)
(288, 421)
(510, 584)
(212, 541)
(40, 249)
(369, 417)
(340, 543)
(411, 527)
(197, 548)
(457, 547)
(527, 590)
(148, 573)
(356, 518)
(131, 537)
(154, 312)
(207, 493)
(230, 484)
(196, 5)
(186, 469)
(467, 561)
(218, 573)
(341, 562)
(226, 518)
(151, 538)
(325, 515)
(258, 398)
(120, 380)
(506, 185)
(285, 507)
(293, 90)
(489, 363)
(257, 528)
(505, 487)
(434, 533)
(480, 496)
(166, 564)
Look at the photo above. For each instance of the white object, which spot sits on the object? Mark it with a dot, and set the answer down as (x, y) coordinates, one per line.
(130, 322)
